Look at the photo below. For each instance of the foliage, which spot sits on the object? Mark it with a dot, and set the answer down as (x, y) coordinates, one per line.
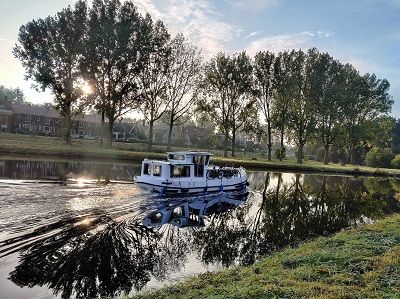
(227, 86)
(49, 50)
(396, 162)
(14, 95)
(378, 157)
(153, 80)
(264, 85)
(184, 76)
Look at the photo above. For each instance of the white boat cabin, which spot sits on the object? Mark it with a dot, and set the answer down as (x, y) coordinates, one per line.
(188, 172)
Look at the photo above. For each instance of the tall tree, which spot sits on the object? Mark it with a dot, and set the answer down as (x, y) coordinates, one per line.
(265, 86)
(184, 75)
(326, 90)
(49, 50)
(153, 79)
(302, 107)
(283, 80)
(367, 98)
(228, 86)
(114, 55)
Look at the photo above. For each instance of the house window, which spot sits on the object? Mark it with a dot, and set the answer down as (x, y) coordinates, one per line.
(48, 120)
(18, 115)
(37, 118)
(2, 107)
(28, 118)
(180, 171)
(157, 170)
(56, 120)
(146, 169)
(80, 124)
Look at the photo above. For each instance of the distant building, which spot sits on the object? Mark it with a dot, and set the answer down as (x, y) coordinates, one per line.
(35, 119)
(6, 114)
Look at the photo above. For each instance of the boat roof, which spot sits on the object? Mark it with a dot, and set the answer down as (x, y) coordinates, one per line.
(193, 153)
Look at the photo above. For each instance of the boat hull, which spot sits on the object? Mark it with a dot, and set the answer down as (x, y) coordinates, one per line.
(170, 190)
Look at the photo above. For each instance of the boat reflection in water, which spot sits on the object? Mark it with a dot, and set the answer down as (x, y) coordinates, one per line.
(192, 212)
(105, 253)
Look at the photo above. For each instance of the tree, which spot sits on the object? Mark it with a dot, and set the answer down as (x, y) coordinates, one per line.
(183, 85)
(301, 110)
(326, 84)
(153, 80)
(14, 95)
(280, 113)
(114, 54)
(228, 87)
(366, 99)
(265, 89)
(49, 50)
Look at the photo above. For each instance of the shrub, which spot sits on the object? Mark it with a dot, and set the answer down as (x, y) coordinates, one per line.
(280, 153)
(378, 157)
(396, 161)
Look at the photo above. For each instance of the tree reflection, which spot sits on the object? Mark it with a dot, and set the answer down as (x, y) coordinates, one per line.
(77, 261)
(288, 213)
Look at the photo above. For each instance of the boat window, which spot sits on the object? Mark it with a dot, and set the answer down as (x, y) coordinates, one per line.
(180, 171)
(198, 162)
(207, 160)
(157, 170)
(176, 157)
(146, 169)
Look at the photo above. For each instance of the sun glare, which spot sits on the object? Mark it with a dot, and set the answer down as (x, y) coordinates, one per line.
(86, 88)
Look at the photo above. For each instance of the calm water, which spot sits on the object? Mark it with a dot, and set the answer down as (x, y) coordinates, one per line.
(65, 233)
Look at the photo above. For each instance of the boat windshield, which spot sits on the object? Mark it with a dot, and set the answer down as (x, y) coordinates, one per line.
(180, 171)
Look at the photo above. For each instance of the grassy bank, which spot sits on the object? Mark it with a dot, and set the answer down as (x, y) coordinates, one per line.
(359, 263)
(28, 146)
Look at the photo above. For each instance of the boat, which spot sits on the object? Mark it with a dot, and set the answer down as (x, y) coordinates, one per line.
(189, 172)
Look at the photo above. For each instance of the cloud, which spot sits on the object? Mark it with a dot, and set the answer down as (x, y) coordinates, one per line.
(254, 5)
(252, 34)
(197, 20)
(281, 42)
(324, 34)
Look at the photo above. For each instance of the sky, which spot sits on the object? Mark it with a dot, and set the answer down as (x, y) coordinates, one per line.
(365, 33)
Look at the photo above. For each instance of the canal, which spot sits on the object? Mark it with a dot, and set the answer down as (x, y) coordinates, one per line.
(83, 229)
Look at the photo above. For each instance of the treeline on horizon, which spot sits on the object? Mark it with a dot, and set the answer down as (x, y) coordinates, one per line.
(132, 63)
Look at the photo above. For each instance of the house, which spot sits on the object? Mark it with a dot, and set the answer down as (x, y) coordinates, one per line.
(6, 114)
(86, 126)
(29, 118)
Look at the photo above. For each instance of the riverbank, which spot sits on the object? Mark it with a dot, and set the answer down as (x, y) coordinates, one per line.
(362, 262)
(27, 146)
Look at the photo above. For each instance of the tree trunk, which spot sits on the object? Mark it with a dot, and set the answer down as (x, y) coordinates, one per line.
(282, 146)
(150, 142)
(269, 140)
(68, 126)
(300, 154)
(233, 142)
(352, 154)
(110, 134)
(102, 128)
(326, 156)
(171, 126)
(226, 145)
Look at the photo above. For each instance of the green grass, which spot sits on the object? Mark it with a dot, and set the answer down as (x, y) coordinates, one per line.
(362, 262)
(29, 146)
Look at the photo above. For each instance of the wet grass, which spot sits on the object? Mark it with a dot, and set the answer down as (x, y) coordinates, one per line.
(363, 262)
(28, 146)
